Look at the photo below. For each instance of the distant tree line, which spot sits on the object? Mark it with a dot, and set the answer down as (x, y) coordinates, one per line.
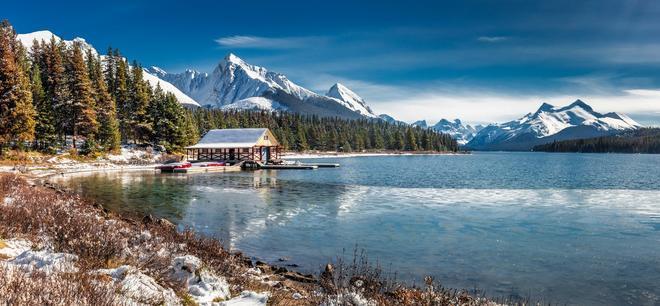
(305, 132)
(645, 140)
(55, 96)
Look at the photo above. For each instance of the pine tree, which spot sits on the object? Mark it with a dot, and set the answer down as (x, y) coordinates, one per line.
(106, 112)
(16, 110)
(57, 91)
(139, 95)
(45, 135)
(109, 72)
(168, 120)
(411, 140)
(121, 95)
(81, 108)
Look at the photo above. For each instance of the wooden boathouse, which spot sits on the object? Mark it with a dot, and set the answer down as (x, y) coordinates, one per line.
(236, 145)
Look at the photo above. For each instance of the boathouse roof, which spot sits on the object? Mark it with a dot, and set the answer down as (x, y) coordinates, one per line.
(236, 138)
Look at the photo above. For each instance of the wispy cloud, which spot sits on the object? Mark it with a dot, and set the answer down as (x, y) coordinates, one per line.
(260, 42)
(492, 39)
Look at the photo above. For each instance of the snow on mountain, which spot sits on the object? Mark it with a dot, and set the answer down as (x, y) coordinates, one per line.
(550, 123)
(351, 99)
(389, 119)
(255, 103)
(235, 80)
(421, 124)
(167, 87)
(232, 80)
(462, 133)
(28, 39)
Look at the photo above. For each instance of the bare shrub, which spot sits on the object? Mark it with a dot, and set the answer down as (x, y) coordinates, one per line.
(37, 288)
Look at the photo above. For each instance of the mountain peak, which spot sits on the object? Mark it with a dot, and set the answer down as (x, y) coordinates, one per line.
(339, 86)
(232, 58)
(580, 103)
(420, 123)
(350, 98)
(545, 107)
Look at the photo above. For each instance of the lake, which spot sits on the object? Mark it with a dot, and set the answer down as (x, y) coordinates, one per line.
(565, 228)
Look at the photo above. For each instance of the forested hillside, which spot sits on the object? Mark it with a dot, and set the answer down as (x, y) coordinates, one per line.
(646, 140)
(57, 96)
(302, 132)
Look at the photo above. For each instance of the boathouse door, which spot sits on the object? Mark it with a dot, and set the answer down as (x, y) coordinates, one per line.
(232, 154)
(265, 154)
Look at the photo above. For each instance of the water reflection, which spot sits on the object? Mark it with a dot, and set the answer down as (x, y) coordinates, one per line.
(589, 246)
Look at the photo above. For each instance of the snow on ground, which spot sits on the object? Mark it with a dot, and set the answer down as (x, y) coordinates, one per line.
(349, 298)
(248, 298)
(13, 247)
(129, 153)
(7, 201)
(202, 285)
(45, 261)
(138, 288)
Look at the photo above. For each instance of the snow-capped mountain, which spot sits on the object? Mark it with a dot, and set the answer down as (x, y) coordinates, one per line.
(420, 123)
(350, 98)
(462, 133)
(28, 39)
(550, 123)
(235, 80)
(389, 119)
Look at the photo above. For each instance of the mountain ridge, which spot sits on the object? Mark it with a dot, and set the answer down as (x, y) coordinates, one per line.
(234, 80)
(549, 123)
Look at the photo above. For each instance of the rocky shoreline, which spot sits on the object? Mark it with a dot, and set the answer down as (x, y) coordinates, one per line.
(47, 232)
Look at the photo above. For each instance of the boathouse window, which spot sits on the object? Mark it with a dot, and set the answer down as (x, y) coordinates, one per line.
(246, 150)
(265, 137)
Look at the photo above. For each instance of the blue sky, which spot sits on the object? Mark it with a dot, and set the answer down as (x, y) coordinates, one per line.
(480, 61)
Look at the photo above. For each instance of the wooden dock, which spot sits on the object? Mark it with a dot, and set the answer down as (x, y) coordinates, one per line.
(324, 165)
(290, 167)
(202, 169)
(207, 169)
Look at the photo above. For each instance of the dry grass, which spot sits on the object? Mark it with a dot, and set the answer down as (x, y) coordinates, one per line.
(36, 288)
(70, 224)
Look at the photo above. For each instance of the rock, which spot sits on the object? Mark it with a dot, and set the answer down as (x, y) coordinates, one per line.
(138, 288)
(264, 267)
(148, 219)
(202, 285)
(166, 223)
(328, 273)
(298, 277)
(284, 259)
(280, 270)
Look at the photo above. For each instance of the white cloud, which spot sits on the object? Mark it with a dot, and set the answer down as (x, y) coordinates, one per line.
(478, 105)
(259, 42)
(492, 39)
